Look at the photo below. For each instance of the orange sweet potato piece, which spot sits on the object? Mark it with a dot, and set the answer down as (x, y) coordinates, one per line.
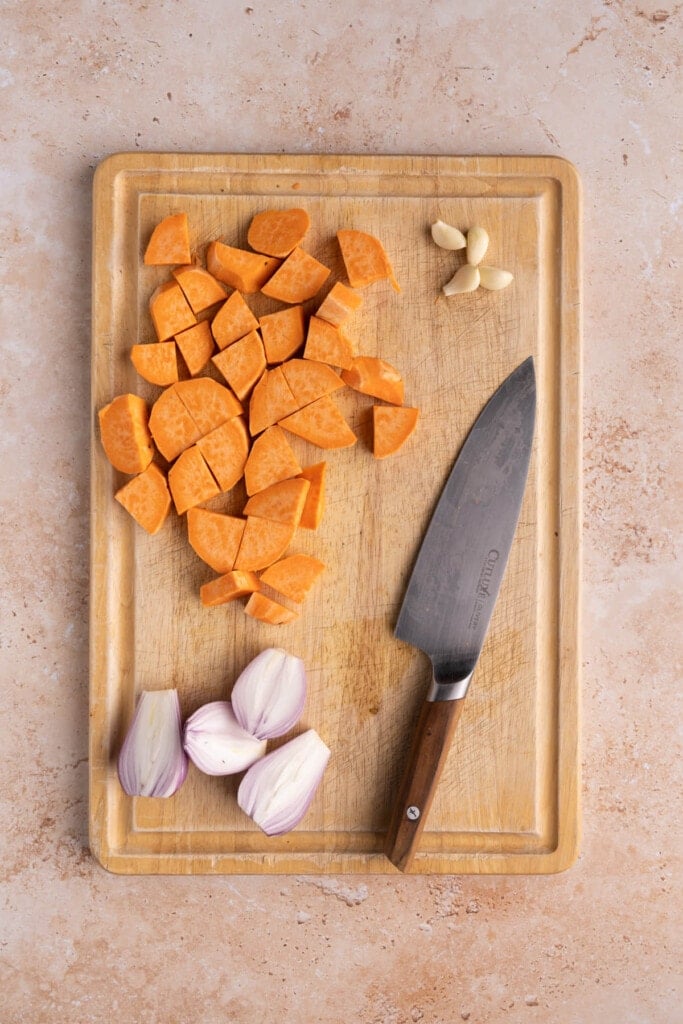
(293, 576)
(375, 377)
(282, 502)
(228, 587)
(298, 279)
(156, 363)
(215, 537)
(171, 425)
(327, 344)
(282, 333)
(391, 427)
(245, 271)
(199, 287)
(125, 435)
(339, 304)
(196, 346)
(208, 402)
(242, 363)
(277, 232)
(309, 380)
(263, 542)
(146, 498)
(169, 243)
(169, 310)
(312, 515)
(321, 423)
(225, 451)
(266, 610)
(190, 480)
(365, 259)
(270, 460)
(271, 399)
(232, 321)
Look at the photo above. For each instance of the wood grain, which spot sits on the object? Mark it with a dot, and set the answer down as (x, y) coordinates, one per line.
(509, 794)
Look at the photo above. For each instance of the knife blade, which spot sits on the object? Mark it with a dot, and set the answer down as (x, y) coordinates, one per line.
(454, 584)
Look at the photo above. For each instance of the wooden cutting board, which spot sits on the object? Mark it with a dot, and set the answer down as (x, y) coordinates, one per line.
(509, 799)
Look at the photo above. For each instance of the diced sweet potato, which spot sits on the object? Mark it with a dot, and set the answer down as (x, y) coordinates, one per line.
(200, 288)
(169, 243)
(391, 427)
(228, 587)
(266, 610)
(146, 498)
(282, 333)
(190, 480)
(339, 304)
(271, 399)
(245, 271)
(208, 402)
(225, 451)
(196, 346)
(293, 576)
(169, 310)
(270, 460)
(327, 344)
(298, 279)
(242, 363)
(156, 363)
(321, 423)
(125, 434)
(263, 542)
(375, 377)
(312, 515)
(365, 259)
(171, 425)
(282, 502)
(277, 232)
(215, 537)
(309, 380)
(232, 321)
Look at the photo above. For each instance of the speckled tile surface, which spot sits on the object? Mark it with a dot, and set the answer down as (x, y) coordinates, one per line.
(595, 82)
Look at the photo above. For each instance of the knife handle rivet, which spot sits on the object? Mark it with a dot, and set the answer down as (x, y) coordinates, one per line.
(413, 813)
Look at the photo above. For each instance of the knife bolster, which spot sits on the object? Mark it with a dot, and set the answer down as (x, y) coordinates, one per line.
(448, 689)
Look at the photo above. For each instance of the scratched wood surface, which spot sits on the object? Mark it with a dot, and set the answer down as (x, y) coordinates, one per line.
(508, 801)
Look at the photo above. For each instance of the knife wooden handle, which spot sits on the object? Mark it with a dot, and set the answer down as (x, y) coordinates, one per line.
(431, 740)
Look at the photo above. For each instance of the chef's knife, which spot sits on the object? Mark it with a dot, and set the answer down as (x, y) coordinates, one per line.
(454, 585)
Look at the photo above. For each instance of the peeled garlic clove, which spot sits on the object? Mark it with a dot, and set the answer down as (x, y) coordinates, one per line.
(465, 280)
(448, 237)
(217, 743)
(269, 695)
(494, 279)
(477, 244)
(152, 761)
(277, 791)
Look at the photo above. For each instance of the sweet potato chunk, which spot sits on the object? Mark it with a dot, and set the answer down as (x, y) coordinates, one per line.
(196, 346)
(293, 576)
(215, 537)
(271, 399)
(365, 259)
(282, 333)
(171, 425)
(309, 380)
(225, 451)
(263, 542)
(156, 363)
(190, 480)
(298, 279)
(266, 610)
(146, 498)
(270, 460)
(277, 232)
(327, 344)
(169, 310)
(282, 502)
(245, 271)
(321, 423)
(208, 402)
(339, 304)
(312, 515)
(242, 363)
(375, 377)
(232, 321)
(228, 587)
(391, 427)
(125, 434)
(169, 243)
(199, 287)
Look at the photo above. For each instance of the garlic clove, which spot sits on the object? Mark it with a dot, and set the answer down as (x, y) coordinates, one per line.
(477, 244)
(277, 791)
(494, 279)
(268, 697)
(466, 280)
(152, 761)
(217, 743)
(448, 237)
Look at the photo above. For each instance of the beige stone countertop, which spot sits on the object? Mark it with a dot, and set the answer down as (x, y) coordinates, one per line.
(596, 82)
